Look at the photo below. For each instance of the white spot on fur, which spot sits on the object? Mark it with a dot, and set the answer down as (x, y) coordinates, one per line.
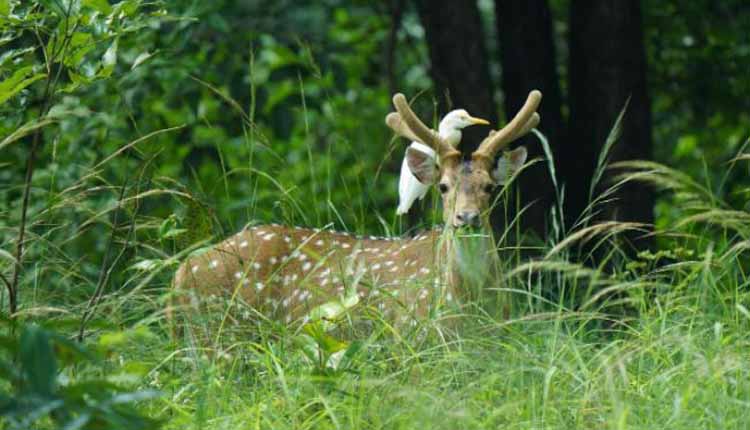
(319, 242)
(243, 244)
(237, 275)
(269, 236)
(272, 260)
(287, 239)
(376, 266)
(424, 271)
(303, 257)
(345, 245)
(256, 265)
(195, 268)
(214, 264)
(306, 266)
(394, 269)
(259, 286)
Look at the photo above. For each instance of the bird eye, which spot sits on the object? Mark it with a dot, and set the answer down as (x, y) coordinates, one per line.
(443, 188)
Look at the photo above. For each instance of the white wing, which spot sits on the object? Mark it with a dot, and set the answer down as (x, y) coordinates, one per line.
(409, 187)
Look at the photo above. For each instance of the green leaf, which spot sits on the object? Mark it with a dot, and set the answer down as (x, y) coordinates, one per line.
(21, 79)
(141, 58)
(5, 255)
(62, 7)
(38, 360)
(100, 5)
(80, 45)
(686, 146)
(4, 7)
(114, 339)
(109, 59)
(25, 130)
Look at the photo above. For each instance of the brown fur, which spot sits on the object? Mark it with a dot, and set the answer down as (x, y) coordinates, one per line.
(283, 272)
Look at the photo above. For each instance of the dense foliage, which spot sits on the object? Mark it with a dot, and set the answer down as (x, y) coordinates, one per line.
(131, 132)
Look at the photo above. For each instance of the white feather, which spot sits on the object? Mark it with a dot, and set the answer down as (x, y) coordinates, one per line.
(409, 187)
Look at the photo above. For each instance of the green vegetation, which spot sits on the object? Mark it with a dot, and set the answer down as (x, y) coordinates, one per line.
(132, 133)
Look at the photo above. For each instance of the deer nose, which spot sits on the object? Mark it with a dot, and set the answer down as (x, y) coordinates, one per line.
(467, 218)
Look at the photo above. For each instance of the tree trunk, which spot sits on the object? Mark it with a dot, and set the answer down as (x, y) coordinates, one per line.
(607, 66)
(527, 53)
(458, 57)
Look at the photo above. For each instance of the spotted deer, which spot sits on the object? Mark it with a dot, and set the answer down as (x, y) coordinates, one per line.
(282, 273)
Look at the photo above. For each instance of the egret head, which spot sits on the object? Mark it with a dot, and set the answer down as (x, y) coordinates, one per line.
(466, 185)
(459, 119)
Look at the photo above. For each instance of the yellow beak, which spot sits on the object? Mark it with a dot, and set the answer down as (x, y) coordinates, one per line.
(478, 121)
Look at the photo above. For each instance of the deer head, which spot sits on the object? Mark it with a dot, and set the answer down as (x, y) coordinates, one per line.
(466, 185)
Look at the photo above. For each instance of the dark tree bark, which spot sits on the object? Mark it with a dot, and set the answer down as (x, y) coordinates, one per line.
(528, 57)
(607, 66)
(459, 62)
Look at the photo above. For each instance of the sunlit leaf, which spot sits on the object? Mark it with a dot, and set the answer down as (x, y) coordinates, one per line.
(20, 79)
(109, 59)
(142, 58)
(100, 5)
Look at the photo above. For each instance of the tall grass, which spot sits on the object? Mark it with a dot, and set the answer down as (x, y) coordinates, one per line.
(654, 341)
(659, 340)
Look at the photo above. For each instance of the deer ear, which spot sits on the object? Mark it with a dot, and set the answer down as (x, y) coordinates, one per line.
(508, 164)
(422, 165)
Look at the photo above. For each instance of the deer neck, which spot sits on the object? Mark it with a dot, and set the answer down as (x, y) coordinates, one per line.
(470, 257)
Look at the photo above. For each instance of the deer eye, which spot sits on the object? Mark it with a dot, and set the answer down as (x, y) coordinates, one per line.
(443, 187)
(488, 188)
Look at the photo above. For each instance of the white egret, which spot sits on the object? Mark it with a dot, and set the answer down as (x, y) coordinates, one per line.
(449, 129)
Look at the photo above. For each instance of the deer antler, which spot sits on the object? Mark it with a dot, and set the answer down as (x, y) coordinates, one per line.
(522, 123)
(394, 121)
(422, 133)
